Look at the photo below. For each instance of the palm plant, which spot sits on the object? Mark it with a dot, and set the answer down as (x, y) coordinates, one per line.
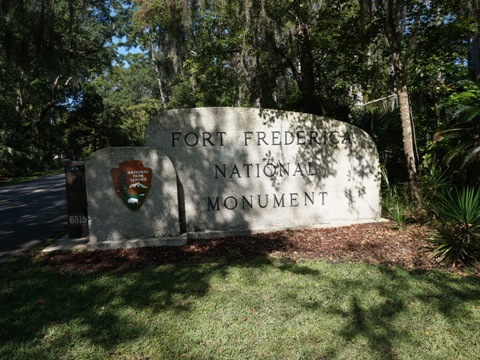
(467, 133)
(456, 239)
(394, 201)
(433, 182)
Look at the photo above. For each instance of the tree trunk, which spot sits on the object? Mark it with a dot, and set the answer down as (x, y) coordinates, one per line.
(476, 41)
(310, 103)
(408, 143)
(154, 61)
(476, 57)
(393, 15)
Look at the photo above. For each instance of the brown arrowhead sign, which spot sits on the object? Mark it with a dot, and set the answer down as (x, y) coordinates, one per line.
(132, 182)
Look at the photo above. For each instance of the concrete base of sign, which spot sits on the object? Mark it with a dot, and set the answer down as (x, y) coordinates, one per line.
(66, 243)
(206, 235)
(138, 243)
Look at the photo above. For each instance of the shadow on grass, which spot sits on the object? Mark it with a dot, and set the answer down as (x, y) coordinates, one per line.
(46, 309)
(98, 308)
(436, 296)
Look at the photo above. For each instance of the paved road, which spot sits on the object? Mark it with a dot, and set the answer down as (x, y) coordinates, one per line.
(30, 213)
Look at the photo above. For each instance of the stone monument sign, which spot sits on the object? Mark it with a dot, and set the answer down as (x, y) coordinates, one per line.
(244, 169)
(132, 199)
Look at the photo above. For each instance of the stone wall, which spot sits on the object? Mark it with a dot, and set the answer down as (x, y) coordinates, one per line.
(243, 169)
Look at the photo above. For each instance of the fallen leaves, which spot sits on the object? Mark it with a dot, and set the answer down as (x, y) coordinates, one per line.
(376, 243)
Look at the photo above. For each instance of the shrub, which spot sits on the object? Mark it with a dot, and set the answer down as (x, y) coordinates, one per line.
(395, 204)
(433, 183)
(456, 239)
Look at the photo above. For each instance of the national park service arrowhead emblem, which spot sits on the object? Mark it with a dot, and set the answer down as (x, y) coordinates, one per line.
(132, 182)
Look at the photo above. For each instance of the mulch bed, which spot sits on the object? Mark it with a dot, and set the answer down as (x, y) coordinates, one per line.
(376, 243)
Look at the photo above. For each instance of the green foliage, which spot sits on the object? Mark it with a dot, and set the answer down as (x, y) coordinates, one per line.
(319, 57)
(463, 134)
(183, 96)
(395, 210)
(466, 135)
(130, 100)
(11, 159)
(433, 183)
(135, 118)
(457, 236)
(395, 202)
(380, 121)
(49, 50)
(466, 93)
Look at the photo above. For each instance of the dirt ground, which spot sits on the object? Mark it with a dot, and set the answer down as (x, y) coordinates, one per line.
(377, 243)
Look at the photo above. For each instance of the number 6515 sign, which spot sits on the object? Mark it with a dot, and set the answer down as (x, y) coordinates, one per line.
(77, 219)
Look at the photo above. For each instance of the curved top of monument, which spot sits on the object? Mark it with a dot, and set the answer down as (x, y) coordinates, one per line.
(210, 118)
(232, 120)
(263, 127)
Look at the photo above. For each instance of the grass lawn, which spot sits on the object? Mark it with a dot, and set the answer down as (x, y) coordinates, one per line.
(257, 309)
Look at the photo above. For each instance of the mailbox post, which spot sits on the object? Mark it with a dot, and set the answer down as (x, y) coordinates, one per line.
(75, 186)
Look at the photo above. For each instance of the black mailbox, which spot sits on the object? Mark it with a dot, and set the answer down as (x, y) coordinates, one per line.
(75, 186)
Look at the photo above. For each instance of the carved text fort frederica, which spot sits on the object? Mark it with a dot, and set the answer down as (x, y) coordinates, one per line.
(273, 170)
